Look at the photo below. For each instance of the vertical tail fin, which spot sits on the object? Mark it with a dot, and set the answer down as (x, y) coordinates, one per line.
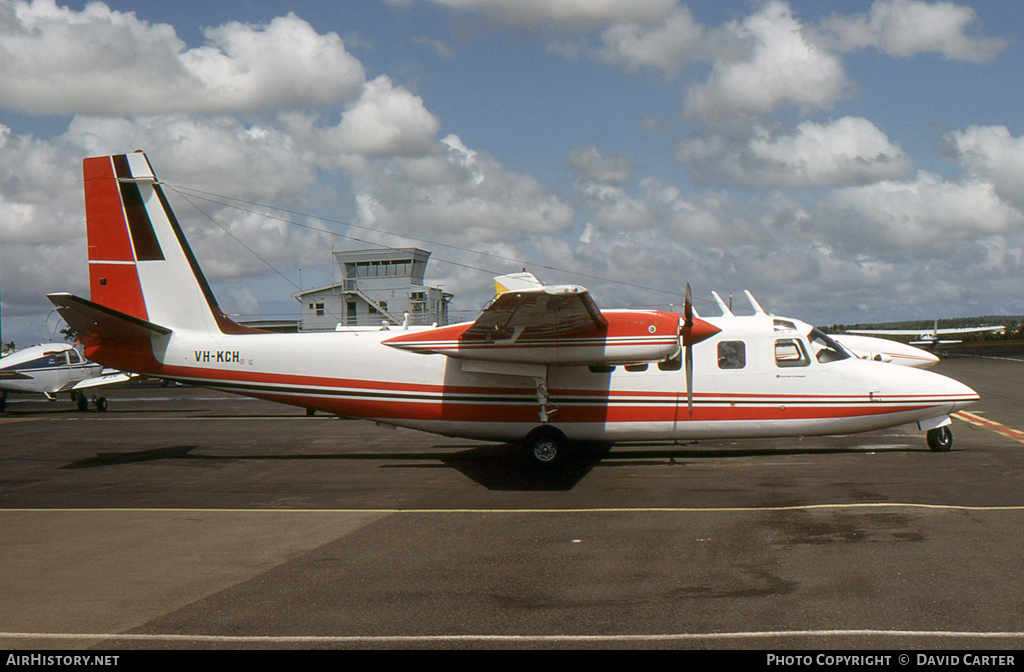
(139, 261)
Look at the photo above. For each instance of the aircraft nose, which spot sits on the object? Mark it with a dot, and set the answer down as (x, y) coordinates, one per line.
(944, 389)
(962, 395)
(918, 387)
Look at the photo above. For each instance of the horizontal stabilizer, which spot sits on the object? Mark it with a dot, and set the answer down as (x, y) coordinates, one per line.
(91, 322)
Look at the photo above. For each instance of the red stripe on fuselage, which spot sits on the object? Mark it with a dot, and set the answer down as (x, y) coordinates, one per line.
(412, 401)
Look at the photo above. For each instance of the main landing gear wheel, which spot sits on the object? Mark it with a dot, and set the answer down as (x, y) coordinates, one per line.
(546, 447)
(101, 404)
(82, 401)
(940, 439)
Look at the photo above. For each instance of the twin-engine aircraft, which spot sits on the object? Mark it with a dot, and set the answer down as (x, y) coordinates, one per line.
(52, 368)
(542, 366)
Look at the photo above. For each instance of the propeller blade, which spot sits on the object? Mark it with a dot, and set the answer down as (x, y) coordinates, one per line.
(688, 309)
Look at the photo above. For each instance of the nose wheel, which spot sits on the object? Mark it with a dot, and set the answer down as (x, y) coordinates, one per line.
(940, 439)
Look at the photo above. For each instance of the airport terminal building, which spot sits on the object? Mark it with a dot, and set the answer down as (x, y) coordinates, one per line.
(377, 285)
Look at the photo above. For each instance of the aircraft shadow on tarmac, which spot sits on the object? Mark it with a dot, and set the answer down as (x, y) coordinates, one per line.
(497, 467)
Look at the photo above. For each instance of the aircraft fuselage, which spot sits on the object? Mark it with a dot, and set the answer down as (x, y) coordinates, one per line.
(354, 374)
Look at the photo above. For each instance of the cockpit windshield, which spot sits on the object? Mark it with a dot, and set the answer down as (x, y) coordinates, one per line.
(824, 348)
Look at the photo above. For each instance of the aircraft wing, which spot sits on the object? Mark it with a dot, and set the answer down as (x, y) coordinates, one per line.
(97, 381)
(889, 332)
(970, 330)
(547, 312)
(14, 375)
(919, 332)
(531, 323)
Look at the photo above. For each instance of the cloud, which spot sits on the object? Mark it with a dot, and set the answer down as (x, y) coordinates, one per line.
(455, 195)
(101, 62)
(667, 45)
(927, 217)
(384, 120)
(905, 28)
(564, 14)
(847, 151)
(589, 166)
(780, 67)
(992, 155)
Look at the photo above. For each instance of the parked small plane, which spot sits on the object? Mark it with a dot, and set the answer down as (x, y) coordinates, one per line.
(930, 337)
(541, 366)
(52, 368)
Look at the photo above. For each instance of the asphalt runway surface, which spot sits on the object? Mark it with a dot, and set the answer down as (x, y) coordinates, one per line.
(185, 518)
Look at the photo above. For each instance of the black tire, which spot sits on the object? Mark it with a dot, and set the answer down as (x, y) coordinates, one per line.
(101, 404)
(310, 412)
(940, 439)
(83, 402)
(547, 448)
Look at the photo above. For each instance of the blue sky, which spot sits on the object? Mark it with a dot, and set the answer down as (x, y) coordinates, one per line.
(846, 161)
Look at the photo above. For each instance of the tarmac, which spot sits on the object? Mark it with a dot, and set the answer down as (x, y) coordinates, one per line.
(190, 519)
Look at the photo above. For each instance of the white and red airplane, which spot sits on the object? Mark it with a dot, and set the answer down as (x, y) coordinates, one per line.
(542, 366)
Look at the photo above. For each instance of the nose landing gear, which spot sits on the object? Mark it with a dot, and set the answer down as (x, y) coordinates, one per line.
(940, 439)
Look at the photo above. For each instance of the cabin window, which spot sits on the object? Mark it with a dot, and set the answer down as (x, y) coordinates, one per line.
(74, 357)
(636, 367)
(673, 364)
(825, 349)
(732, 355)
(601, 368)
(782, 326)
(790, 352)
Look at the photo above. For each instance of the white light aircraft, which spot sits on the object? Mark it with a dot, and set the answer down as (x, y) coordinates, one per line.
(542, 366)
(930, 337)
(52, 368)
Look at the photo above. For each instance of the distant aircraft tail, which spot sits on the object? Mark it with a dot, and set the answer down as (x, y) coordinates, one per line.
(140, 264)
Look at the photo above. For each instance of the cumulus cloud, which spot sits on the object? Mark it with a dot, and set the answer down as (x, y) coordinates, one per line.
(589, 166)
(905, 28)
(847, 151)
(780, 67)
(54, 60)
(927, 216)
(455, 194)
(565, 14)
(384, 120)
(993, 155)
(667, 45)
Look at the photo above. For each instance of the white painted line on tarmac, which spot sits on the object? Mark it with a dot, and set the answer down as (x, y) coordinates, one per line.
(737, 509)
(504, 639)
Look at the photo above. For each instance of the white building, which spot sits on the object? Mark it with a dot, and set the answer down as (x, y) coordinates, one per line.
(377, 285)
